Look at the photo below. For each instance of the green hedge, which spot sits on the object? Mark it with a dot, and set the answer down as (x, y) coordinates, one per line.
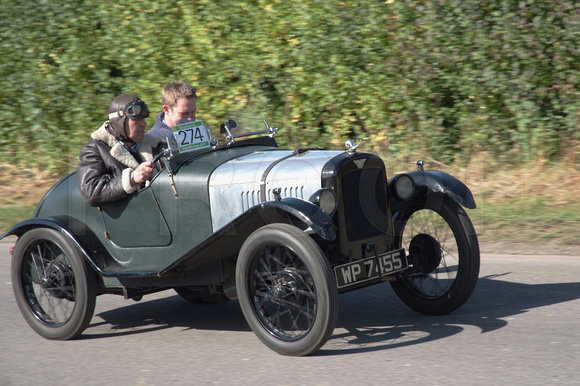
(447, 78)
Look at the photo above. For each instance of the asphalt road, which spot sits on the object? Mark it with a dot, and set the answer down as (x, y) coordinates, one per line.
(520, 327)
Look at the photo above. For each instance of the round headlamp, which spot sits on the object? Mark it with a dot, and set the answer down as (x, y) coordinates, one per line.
(405, 187)
(326, 200)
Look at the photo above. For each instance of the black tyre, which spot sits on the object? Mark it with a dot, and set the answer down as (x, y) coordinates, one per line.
(54, 290)
(443, 254)
(287, 290)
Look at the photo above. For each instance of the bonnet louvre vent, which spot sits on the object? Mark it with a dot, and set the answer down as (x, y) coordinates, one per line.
(252, 198)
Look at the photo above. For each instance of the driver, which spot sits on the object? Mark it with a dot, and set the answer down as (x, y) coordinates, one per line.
(117, 161)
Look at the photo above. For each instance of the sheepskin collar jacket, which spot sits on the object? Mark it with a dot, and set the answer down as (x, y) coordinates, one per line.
(104, 171)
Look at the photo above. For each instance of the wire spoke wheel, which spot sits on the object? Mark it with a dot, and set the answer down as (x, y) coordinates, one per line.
(287, 290)
(443, 254)
(49, 282)
(283, 293)
(53, 289)
(433, 249)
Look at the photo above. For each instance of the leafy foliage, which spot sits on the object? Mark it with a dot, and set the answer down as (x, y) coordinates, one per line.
(444, 77)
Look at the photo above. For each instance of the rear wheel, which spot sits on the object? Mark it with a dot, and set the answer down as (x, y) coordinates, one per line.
(443, 255)
(54, 290)
(286, 290)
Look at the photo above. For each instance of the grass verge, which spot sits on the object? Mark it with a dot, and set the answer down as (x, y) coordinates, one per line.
(527, 220)
(11, 215)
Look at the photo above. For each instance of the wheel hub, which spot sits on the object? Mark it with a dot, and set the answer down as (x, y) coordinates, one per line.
(426, 253)
(58, 281)
(287, 286)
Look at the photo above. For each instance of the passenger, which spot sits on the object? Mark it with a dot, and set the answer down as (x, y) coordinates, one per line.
(179, 104)
(117, 160)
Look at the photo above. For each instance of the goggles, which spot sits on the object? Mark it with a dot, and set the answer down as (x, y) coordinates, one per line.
(133, 110)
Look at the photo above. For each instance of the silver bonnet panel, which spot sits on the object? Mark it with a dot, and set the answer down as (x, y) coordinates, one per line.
(234, 186)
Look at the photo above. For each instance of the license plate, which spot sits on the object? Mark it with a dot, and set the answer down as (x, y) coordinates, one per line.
(370, 268)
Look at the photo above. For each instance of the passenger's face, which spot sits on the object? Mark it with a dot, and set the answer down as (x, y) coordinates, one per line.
(136, 131)
(185, 108)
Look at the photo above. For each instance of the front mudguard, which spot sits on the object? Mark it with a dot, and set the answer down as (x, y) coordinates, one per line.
(308, 213)
(427, 182)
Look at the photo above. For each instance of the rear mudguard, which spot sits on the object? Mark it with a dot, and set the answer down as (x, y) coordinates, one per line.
(25, 226)
(427, 182)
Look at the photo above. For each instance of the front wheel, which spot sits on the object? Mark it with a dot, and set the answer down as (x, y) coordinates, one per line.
(54, 290)
(287, 290)
(443, 255)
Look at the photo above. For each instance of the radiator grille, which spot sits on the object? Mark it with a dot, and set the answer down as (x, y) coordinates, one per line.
(365, 207)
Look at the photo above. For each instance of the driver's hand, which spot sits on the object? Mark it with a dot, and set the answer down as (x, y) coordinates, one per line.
(143, 173)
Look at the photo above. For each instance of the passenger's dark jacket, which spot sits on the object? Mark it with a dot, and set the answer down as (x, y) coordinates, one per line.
(162, 131)
(160, 128)
(104, 172)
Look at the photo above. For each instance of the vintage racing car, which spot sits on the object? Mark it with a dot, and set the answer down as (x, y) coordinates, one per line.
(283, 231)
